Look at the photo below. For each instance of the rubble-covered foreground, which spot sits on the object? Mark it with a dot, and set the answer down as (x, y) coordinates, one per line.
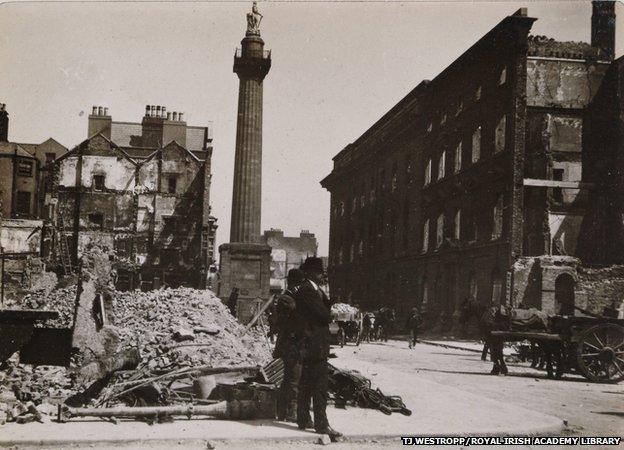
(169, 329)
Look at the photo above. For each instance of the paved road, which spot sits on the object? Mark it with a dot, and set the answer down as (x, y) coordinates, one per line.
(588, 407)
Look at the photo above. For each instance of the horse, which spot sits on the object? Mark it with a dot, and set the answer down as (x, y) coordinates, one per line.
(384, 323)
(489, 318)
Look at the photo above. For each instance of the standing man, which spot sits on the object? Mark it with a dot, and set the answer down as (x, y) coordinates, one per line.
(287, 347)
(366, 329)
(413, 324)
(313, 317)
(232, 301)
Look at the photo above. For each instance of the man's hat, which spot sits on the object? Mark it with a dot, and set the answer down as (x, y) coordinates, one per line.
(312, 264)
(295, 276)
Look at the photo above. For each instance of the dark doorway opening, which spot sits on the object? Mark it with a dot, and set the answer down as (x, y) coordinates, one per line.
(564, 294)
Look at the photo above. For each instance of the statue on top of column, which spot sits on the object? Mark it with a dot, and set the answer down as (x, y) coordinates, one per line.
(253, 20)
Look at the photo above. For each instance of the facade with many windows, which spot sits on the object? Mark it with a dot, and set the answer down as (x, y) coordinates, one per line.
(431, 206)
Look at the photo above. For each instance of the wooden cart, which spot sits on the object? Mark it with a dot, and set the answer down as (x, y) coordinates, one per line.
(591, 346)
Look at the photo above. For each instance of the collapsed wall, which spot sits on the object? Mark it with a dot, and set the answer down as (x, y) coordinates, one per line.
(604, 286)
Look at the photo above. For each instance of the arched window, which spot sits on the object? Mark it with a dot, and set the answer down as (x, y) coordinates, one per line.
(425, 246)
(442, 166)
(440, 230)
(476, 145)
(428, 172)
(499, 136)
(473, 288)
(457, 163)
(497, 227)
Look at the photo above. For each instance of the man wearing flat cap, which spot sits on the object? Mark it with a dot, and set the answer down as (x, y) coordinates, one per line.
(313, 317)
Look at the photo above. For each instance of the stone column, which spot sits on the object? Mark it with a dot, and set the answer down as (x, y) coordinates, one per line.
(245, 261)
(251, 65)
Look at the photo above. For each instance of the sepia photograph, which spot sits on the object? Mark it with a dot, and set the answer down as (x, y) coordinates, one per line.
(286, 224)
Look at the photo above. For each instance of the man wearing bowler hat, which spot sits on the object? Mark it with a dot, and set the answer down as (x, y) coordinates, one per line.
(313, 317)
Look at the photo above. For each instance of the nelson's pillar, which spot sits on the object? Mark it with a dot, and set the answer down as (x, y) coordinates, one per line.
(244, 261)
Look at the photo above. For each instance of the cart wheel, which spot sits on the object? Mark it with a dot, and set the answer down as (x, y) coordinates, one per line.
(600, 353)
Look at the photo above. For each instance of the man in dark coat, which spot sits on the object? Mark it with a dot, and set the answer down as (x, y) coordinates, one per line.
(287, 347)
(413, 325)
(313, 317)
(232, 301)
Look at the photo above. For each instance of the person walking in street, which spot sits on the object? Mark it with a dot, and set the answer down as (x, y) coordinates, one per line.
(287, 347)
(313, 318)
(414, 322)
(232, 301)
(366, 329)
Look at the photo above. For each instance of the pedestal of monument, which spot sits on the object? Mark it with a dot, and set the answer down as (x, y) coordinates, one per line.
(247, 267)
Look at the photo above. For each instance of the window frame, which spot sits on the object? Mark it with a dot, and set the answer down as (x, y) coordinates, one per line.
(98, 176)
(24, 168)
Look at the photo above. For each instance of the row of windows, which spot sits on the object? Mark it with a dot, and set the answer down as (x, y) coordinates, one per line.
(442, 165)
(475, 154)
(171, 183)
(502, 79)
(497, 227)
(470, 232)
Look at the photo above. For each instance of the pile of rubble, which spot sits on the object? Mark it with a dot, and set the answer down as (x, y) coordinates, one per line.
(60, 300)
(185, 327)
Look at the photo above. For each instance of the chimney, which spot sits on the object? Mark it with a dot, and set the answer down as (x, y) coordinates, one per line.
(603, 26)
(152, 111)
(158, 111)
(174, 129)
(99, 122)
(180, 118)
(147, 110)
(4, 123)
(163, 111)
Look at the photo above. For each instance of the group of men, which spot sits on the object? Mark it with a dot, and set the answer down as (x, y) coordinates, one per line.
(303, 338)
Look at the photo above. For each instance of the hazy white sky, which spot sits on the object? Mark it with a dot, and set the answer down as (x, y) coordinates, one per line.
(337, 68)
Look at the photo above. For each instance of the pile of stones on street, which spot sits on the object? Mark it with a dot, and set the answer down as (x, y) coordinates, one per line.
(185, 327)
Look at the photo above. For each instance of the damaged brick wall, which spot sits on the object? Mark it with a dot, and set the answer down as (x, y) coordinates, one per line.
(602, 231)
(604, 287)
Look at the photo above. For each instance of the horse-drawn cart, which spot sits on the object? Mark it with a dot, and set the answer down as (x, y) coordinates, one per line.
(590, 345)
(345, 326)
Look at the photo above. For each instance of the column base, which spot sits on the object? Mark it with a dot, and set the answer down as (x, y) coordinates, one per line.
(247, 267)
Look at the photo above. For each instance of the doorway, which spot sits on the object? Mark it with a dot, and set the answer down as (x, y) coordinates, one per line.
(564, 294)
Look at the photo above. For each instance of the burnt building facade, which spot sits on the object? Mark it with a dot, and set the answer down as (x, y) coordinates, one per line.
(287, 252)
(142, 190)
(469, 173)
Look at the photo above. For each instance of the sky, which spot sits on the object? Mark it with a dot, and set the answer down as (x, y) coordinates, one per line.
(337, 67)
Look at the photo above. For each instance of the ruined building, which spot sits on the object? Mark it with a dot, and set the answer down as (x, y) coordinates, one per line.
(287, 252)
(493, 180)
(142, 189)
(21, 202)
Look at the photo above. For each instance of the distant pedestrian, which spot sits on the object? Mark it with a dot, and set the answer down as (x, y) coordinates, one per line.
(232, 301)
(414, 321)
(367, 325)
